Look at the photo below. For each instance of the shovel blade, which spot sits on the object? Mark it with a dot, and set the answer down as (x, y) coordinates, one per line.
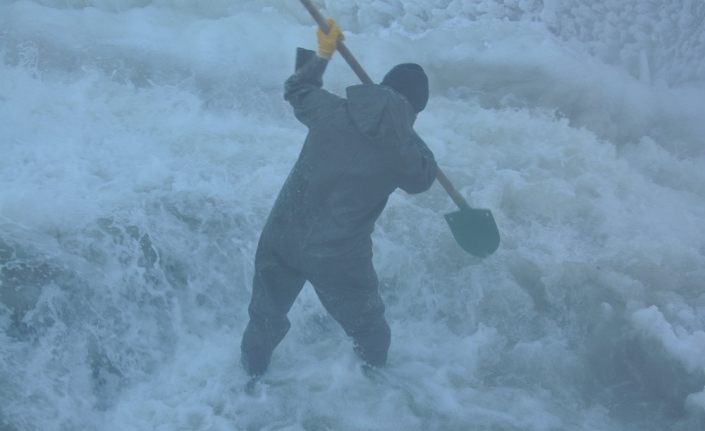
(475, 230)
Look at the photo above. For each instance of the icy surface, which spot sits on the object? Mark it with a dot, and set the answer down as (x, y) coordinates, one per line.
(141, 147)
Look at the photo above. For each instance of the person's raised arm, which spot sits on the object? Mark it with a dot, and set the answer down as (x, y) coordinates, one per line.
(303, 89)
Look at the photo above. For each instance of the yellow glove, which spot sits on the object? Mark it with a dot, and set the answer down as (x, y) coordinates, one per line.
(327, 42)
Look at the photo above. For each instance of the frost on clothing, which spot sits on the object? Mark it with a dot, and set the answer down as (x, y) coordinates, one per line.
(358, 151)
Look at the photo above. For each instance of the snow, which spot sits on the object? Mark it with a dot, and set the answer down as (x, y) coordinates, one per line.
(143, 143)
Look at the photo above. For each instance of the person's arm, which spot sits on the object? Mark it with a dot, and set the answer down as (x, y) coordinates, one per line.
(417, 165)
(303, 88)
(414, 165)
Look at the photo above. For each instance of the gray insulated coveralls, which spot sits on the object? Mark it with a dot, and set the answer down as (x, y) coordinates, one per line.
(358, 150)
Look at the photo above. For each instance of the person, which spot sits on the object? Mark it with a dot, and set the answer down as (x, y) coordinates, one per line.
(358, 150)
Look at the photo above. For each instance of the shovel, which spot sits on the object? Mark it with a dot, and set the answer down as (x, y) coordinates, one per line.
(473, 229)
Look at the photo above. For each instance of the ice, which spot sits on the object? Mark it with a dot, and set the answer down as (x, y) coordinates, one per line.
(143, 143)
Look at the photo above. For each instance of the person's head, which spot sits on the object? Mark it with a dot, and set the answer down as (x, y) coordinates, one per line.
(411, 81)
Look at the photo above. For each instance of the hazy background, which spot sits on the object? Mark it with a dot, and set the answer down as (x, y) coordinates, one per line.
(142, 144)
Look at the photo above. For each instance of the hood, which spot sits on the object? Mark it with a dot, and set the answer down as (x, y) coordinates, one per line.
(380, 113)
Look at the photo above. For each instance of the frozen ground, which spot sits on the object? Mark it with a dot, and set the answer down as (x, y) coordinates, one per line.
(142, 144)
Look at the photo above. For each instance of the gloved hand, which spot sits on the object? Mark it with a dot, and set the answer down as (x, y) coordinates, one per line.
(327, 42)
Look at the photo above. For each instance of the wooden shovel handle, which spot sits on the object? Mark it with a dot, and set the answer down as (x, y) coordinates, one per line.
(452, 192)
(365, 78)
(341, 48)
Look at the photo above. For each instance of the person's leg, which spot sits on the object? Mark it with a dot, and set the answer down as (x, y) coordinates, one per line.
(274, 289)
(348, 289)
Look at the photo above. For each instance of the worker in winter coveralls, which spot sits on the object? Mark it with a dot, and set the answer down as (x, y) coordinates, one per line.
(358, 150)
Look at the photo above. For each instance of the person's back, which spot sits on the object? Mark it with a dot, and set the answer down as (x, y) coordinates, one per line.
(358, 150)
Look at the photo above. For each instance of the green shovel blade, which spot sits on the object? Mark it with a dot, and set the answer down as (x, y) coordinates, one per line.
(475, 230)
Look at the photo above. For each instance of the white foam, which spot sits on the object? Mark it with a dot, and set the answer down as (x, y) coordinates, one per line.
(143, 144)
